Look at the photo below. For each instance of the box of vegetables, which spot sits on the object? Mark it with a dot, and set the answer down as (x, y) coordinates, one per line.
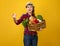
(35, 24)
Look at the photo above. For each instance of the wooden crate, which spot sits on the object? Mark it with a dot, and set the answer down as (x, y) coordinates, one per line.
(36, 27)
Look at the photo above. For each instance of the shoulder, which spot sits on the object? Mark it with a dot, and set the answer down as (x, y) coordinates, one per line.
(24, 15)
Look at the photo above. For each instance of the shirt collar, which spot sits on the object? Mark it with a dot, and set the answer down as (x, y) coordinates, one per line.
(28, 15)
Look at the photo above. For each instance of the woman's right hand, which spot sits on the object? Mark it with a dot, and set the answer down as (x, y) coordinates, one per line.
(14, 18)
(14, 15)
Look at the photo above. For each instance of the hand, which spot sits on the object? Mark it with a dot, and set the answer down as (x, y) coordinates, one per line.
(40, 28)
(14, 15)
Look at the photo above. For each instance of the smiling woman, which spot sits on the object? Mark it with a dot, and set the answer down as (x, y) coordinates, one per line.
(30, 37)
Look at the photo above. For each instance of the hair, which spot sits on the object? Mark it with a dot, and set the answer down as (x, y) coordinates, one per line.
(33, 14)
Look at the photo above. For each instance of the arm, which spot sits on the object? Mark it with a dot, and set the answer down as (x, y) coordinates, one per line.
(19, 20)
(15, 21)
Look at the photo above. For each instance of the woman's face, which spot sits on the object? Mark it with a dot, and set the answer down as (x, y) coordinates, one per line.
(29, 8)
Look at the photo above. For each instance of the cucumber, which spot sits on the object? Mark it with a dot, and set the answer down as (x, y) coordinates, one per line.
(25, 22)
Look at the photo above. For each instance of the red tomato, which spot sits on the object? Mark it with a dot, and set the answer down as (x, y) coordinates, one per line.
(35, 21)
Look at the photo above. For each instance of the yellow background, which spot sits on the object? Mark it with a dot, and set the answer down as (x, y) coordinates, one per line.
(12, 34)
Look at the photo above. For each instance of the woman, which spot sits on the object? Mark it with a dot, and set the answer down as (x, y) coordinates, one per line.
(30, 37)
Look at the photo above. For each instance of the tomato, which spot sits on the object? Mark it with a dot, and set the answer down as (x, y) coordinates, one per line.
(35, 21)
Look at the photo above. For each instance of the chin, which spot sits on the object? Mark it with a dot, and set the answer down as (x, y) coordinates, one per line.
(30, 11)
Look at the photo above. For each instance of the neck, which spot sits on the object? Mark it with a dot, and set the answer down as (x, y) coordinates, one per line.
(30, 13)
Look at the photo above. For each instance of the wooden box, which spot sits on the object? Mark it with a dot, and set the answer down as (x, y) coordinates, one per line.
(36, 27)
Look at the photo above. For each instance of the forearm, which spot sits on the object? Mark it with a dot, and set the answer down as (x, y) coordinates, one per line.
(15, 21)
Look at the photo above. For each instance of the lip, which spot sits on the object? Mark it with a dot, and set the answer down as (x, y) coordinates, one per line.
(29, 9)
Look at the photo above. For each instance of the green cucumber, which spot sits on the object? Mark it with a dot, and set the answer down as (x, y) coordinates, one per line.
(25, 22)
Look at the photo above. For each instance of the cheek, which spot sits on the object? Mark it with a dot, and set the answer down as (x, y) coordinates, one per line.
(27, 9)
(31, 9)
